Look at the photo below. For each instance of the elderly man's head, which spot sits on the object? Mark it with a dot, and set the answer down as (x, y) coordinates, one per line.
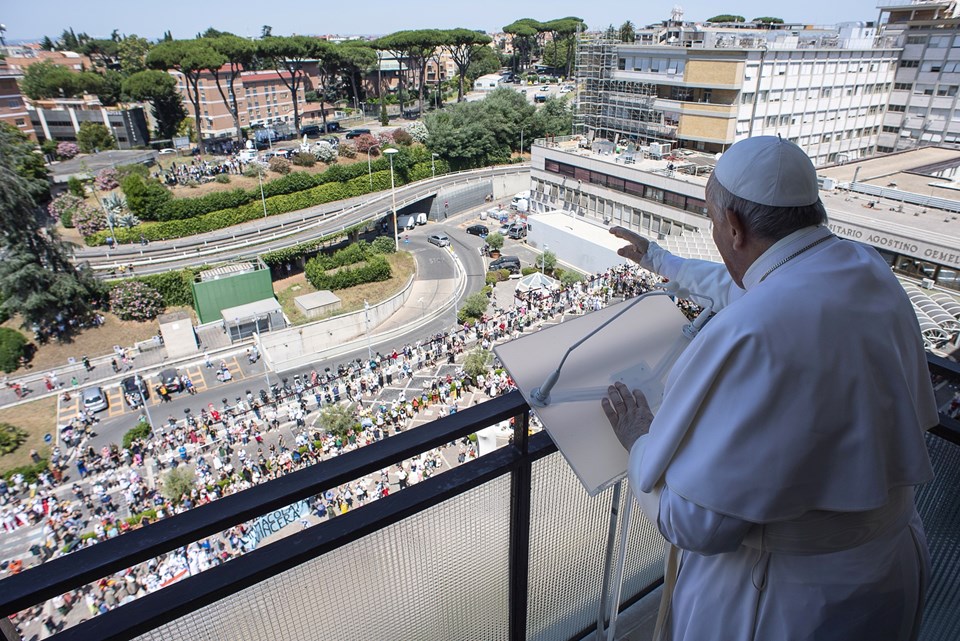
(761, 190)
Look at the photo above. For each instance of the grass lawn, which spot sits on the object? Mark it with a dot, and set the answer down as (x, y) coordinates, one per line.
(402, 267)
(37, 418)
(92, 342)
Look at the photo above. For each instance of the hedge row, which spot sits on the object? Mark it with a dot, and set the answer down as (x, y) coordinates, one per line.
(349, 255)
(375, 269)
(29, 472)
(182, 208)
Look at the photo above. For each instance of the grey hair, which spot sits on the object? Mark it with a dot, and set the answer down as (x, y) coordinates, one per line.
(765, 221)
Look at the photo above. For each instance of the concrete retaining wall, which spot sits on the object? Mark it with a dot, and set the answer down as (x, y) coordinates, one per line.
(297, 346)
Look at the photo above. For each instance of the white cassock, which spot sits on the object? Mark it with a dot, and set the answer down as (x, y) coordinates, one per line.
(783, 459)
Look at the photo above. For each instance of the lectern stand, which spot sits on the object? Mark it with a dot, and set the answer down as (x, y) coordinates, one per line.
(637, 348)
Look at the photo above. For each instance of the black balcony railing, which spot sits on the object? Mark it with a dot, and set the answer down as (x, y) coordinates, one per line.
(507, 546)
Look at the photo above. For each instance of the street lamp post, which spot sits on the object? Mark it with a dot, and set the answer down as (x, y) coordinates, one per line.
(390, 152)
(366, 317)
(143, 399)
(266, 370)
(433, 164)
(543, 260)
(260, 180)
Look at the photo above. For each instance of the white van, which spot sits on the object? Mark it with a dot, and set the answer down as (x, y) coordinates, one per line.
(520, 196)
(421, 219)
(406, 222)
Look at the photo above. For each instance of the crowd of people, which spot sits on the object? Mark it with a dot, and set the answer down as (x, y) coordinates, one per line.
(236, 444)
(199, 170)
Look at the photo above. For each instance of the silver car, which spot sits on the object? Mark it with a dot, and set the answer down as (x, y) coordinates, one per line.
(94, 399)
(440, 240)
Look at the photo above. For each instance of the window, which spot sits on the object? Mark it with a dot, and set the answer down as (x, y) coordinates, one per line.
(825, 92)
(20, 122)
(884, 150)
(909, 64)
(939, 42)
(916, 40)
(891, 130)
(771, 121)
(931, 67)
(950, 90)
(903, 86)
(746, 98)
(900, 108)
(13, 103)
(622, 64)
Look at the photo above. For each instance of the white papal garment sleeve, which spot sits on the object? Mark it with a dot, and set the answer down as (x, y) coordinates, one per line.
(699, 276)
(686, 525)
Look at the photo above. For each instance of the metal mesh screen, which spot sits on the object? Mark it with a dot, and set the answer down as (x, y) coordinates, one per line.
(440, 574)
(939, 505)
(568, 534)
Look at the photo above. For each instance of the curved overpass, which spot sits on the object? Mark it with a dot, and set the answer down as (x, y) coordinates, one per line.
(277, 232)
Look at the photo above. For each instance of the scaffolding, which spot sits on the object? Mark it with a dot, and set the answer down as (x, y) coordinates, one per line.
(615, 109)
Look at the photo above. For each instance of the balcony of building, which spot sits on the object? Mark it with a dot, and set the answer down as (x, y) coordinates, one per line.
(507, 546)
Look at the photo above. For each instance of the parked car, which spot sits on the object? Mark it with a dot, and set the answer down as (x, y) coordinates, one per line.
(170, 378)
(333, 127)
(406, 221)
(135, 390)
(356, 133)
(310, 131)
(167, 150)
(510, 263)
(517, 231)
(94, 399)
(540, 97)
(544, 88)
(478, 230)
(440, 240)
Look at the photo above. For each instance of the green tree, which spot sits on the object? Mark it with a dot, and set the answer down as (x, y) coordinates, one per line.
(21, 155)
(463, 45)
(415, 49)
(727, 17)
(178, 482)
(338, 419)
(110, 90)
(132, 54)
(564, 32)
(628, 33)
(94, 136)
(553, 117)
(46, 79)
(145, 196)
(523, 35)
(484, 60)
(37, 279)
(495, 241)
(239, 54)
(474, 306)
(191, 58)
(477, 363)
(12, 346)
(287, 55)
(768, 20)
(103, 53)
(357, 59)
(548, 261)
(160, 90)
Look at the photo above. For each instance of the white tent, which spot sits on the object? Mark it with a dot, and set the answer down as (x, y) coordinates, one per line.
(536, 280)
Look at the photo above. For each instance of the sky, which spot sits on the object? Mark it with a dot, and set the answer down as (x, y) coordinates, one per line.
(35, 18)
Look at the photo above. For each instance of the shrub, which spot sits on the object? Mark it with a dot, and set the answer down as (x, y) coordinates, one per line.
(338, 419)
(280, 165)
(383, 245)
(11, 437)
(492, 278)
(106, 179)
(304, 160)
(347, 151)
(88, 220)
(477, 362)
(75, 187)
(376, 269)
(67, 150)
(385, 137)
(175, 287)
(402, 137)
(223, 179)
(135, 169)
(135, 300)
(12, 346)
(475, 305)
(140, 431)
(326, 153)
(63, 207)
(177, 482)
(570, 277)
(145, 197)
(526, 271)
(366, 142)
(418, 131)
(253, 170)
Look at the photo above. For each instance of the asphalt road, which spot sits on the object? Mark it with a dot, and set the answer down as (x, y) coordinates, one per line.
(433, 263)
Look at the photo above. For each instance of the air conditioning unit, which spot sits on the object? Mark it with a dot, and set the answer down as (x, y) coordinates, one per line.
(927, 283)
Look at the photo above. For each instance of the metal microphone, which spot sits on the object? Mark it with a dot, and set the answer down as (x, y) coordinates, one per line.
(540, 396)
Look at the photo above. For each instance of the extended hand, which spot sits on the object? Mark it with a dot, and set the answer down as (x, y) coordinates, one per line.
(638, 246)
(629, 414)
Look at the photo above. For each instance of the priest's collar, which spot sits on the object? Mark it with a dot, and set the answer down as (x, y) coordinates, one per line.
(782, 251)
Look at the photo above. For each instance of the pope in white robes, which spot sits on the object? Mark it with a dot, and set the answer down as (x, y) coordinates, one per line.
(783, 459)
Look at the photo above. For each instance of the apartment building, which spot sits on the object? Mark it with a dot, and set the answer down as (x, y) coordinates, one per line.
(60, 120)
(924, 107)
(706, 87)
(20, 57)
(13, 110)
(263, 98)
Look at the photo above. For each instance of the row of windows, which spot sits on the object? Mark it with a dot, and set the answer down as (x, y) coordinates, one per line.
(932, 66)
(545, 195)
(937, 42)
(931, 90)
(669, 198)
(789, 95)
(819, 68)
